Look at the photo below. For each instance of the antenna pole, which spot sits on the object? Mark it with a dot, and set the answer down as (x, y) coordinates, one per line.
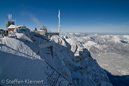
(59, 30)
(9, 16)
(15, 21)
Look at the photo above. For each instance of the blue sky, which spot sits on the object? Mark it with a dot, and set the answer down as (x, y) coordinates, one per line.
(76, 15)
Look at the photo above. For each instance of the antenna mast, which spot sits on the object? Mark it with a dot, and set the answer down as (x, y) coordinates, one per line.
(59, 28)
(9, 17)
(15, 21)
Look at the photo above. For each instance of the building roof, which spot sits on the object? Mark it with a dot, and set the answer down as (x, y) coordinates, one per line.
(18, 27)
(12, 26)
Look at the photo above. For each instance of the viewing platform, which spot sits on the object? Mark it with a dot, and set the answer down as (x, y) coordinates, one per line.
(52, 33)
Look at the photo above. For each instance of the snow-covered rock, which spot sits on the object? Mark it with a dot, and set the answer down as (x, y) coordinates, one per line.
(52, 63)
(110, 51)
(78, 68)
(19, 63)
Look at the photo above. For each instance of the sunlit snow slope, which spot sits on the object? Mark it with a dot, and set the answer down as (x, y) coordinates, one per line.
(36, 58)
(18, 61)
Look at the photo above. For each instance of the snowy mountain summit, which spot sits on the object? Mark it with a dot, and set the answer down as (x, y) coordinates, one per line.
(30, 59)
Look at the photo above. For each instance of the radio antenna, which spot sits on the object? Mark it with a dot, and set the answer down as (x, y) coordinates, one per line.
(59, 30)
(9, 16)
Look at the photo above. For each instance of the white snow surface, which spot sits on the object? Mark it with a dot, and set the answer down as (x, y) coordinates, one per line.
(18, 61)
(113, 48)
(22, 36)
(22, 58)
(13, 46)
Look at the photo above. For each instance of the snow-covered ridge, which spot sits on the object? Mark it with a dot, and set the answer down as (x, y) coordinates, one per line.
(25, 57)
(19, 61)
(13, 46)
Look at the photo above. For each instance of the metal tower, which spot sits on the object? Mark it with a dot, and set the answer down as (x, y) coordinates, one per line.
(9, 17)
(8, 23)
(59, 28)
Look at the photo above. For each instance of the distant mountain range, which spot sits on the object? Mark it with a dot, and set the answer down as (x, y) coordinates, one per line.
(110, 51)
